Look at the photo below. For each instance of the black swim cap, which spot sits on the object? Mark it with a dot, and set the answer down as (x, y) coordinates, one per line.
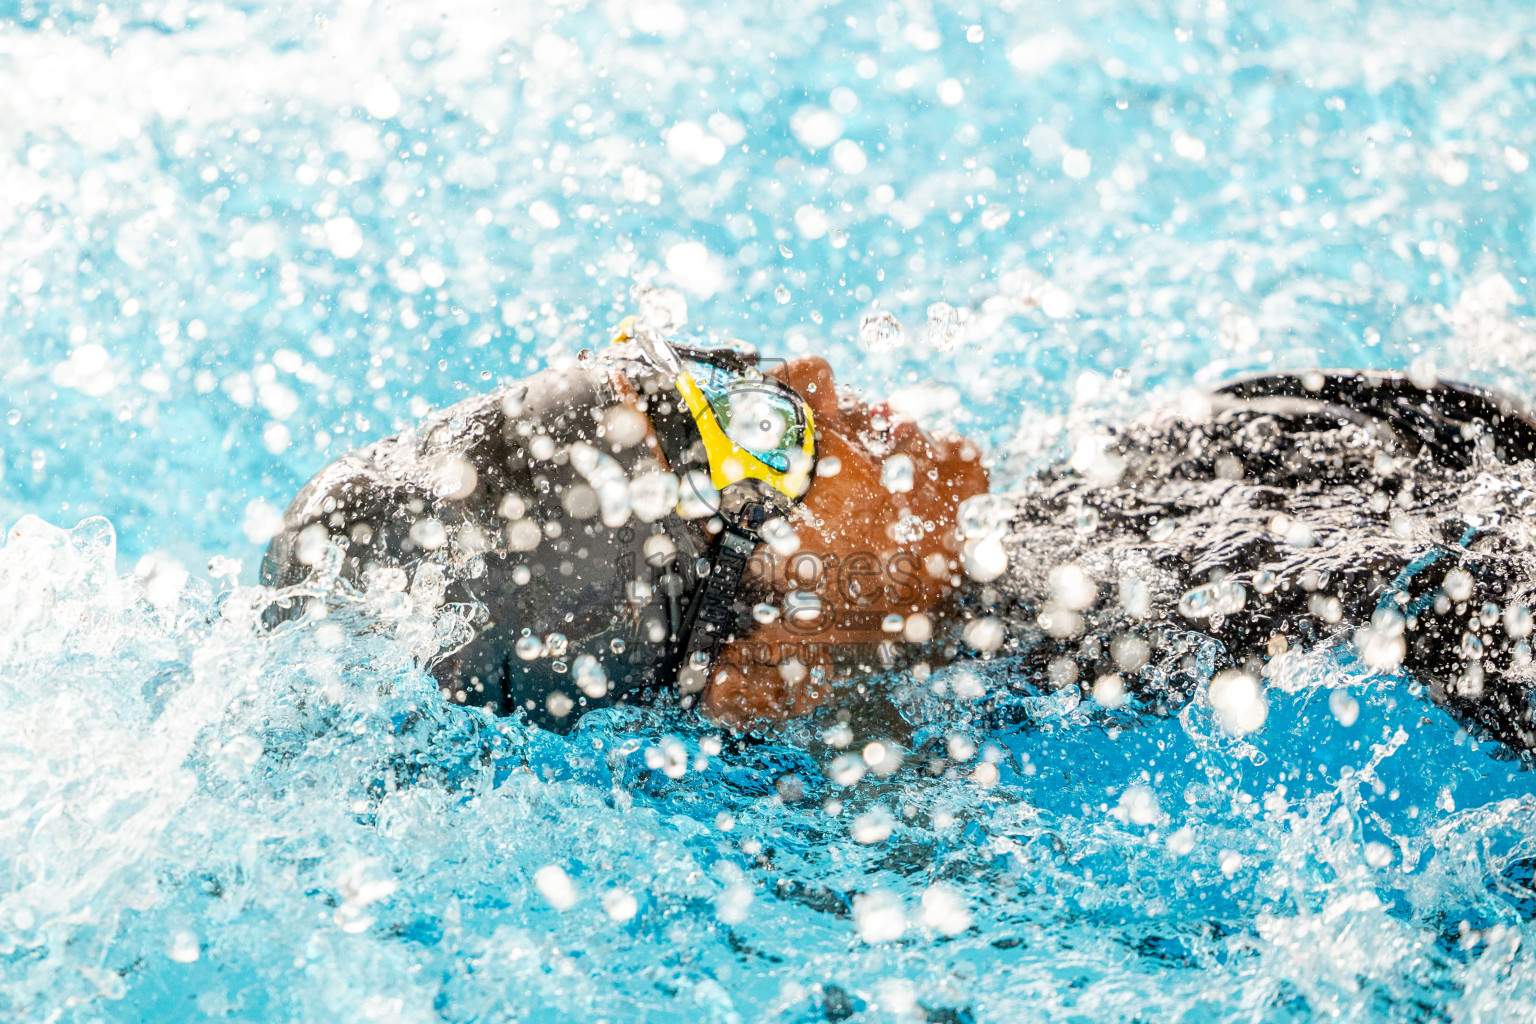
(548, 510)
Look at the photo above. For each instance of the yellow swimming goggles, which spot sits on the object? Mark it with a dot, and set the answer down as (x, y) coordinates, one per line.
(756, 429)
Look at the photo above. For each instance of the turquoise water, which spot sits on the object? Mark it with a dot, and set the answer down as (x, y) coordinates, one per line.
(236, 241)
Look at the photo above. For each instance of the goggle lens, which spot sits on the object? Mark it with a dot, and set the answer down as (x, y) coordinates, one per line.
(738, 408)
(756, 412)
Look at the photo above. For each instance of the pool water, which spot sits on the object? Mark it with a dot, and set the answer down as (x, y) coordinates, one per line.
(237, 240)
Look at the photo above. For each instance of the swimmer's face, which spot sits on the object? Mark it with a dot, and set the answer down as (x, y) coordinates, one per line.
(877, 540)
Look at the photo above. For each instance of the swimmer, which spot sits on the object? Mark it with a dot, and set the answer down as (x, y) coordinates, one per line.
(651, 524)
(663, 522)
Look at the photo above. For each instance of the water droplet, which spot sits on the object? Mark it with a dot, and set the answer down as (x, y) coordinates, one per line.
(13, 417)
(1109, 690)
(846, 770)
(984, 634)
(1135, 597)
(1423, 373)
(802, 607)
(1344, 707)
(224, 567)
(1239, 698)
(873, 826)
(429, 533)
(661, 308)
(880, 331)
(553, 883)
(652, 496)
(781, 294)
(185, 948)
(943, 327)
(908, 529)
(590, 676)
(1381, 644)
(984, 516)
(1138, 805)
(1072, 588)
(1457, 585)
(1221, 598)
(620, 904)
(896, 474)
(878, 915)
(784, 251)
(781, 537)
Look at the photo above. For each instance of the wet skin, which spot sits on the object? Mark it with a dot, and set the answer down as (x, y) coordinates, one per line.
(849, 551)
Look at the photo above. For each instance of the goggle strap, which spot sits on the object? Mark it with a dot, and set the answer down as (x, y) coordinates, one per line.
(721, 358)
(676, 430)
(712, 616)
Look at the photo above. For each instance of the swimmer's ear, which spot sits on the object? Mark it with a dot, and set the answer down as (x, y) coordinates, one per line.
(811, 376)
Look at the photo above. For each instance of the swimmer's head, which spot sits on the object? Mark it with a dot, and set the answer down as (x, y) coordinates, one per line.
(631, 524)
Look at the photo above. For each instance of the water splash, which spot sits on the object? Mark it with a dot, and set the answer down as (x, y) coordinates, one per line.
(240, 240)
(203, 814)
